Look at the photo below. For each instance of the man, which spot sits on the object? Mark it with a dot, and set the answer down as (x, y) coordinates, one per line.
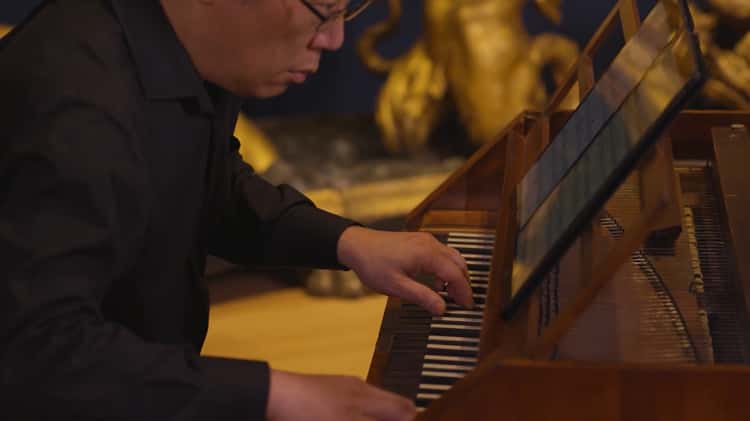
(118, 174)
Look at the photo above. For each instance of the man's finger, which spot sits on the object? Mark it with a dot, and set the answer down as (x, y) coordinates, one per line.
(458, 259)
(412, 291)
(461, 293)
(452, 254)
(387, 406)
(454, 277)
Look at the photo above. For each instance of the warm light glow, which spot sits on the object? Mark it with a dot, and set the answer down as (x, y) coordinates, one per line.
(4, 29)
(256, 149)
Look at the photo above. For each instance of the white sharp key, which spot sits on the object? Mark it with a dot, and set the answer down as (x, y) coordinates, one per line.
(470, 241)
(456, 319)
(447, 367)
(430, 386)
(465, 348)
(442, 374)
(452, 358)
(458, 237)
(479, 272)
(474, 318)
(454, 306)
(455, 327)
(463, 313)
(479, 264)
(482, 235)
(430, 396)
(420, 409)
(473, 275)
(433, 338)
(469, 245)
(458, 307)
(479, 257)
(444, 294)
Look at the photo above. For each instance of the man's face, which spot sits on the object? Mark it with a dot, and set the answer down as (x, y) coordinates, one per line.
(263, 46)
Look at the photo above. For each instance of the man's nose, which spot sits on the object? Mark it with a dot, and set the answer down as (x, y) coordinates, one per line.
(330, 36)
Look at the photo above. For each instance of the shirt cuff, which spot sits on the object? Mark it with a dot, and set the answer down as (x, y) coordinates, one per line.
(235, 389)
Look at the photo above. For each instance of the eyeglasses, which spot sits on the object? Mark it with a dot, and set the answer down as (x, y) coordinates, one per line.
(354, 8)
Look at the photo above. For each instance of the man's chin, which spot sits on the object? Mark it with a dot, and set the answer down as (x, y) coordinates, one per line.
(269, 91)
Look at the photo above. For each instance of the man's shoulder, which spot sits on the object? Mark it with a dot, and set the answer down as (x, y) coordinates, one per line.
(72, 50)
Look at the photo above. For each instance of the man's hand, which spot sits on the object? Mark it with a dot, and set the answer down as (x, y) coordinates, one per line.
(387, 262)
(331, 398)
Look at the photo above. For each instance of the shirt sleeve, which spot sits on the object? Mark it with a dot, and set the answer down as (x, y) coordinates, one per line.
(72, 214)
(271, 225)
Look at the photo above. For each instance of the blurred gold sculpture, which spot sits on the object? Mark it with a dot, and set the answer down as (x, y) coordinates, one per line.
(255, 147)
(729, 85)
(4, 29)
(737, 9)
(476, 53)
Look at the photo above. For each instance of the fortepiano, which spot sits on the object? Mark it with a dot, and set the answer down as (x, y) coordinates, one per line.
(613, 298)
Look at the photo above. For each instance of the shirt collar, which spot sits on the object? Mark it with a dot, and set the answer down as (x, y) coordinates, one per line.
(163, 65)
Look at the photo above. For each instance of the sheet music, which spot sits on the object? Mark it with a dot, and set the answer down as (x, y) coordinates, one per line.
(593, 112)
(606, 160)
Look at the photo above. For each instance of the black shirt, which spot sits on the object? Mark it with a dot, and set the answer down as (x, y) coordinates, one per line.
(118, 174)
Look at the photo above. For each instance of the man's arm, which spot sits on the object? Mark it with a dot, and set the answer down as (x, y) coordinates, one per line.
(276, 225)
(273, 225)
(71, 221)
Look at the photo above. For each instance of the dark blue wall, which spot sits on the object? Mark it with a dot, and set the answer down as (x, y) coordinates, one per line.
(343, 84)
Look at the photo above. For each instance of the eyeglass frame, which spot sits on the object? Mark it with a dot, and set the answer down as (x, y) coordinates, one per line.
(347, 15)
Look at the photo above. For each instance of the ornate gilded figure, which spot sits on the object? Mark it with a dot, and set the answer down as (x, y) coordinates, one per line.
(729, 85)
(476, 53)
(736, 9)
